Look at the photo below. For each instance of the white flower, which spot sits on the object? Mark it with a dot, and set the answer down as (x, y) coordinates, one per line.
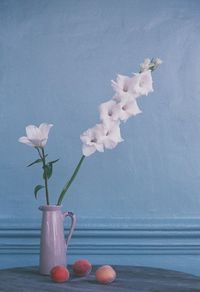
(106, 111)
(145, 84)
(36, 136)
(92, 141)
(110, 134)
(125, 110)
(102, 135)
(111, 111)
(125, 87)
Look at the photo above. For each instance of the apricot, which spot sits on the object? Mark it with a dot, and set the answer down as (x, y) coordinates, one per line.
(82, 267)
(59, 274)
(105, 274)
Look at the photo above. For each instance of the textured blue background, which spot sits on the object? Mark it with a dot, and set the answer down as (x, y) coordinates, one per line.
(56, 62)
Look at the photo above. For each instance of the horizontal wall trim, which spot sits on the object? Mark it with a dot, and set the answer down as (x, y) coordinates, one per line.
(105, 249)
(109, 236)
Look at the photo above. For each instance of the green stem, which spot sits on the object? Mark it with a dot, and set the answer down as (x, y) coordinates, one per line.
(42, 156)
(45, 176)
(66, 187)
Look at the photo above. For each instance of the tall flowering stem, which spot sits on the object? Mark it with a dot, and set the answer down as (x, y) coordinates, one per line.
(68, 184)
(104, 135)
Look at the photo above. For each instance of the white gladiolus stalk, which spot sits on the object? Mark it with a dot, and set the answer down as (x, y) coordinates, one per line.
(121, 107)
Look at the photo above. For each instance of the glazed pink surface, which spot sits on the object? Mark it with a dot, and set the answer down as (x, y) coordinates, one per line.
(53, 244)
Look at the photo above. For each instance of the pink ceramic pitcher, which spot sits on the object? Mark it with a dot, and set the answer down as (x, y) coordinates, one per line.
(53, 245)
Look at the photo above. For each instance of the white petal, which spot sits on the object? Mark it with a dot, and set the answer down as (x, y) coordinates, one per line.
(88, 150)
(121, 85)
(119, 96)
(99, 131)
(117, 112)
(110, 144)
(86, 136)
(100, 147)
(133, 109)
(26, 141)
(44, 129)
(125, 116)
(92, 140)
(32, 132)
(122, 80)
(83, 138)
(37, 142)
(115, 86)
(146, 83)
(43, 142)
(133, 85)
(125, 110)
(126, 87)
(105, 110)
(121, 112)
(113, 136)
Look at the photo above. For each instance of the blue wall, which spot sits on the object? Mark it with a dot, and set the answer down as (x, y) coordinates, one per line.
(56, 62)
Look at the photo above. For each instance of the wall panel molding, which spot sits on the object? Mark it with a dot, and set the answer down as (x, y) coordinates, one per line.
(162, 242)
(118, 236)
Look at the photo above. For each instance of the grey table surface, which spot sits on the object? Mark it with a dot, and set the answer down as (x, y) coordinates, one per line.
(128, 279)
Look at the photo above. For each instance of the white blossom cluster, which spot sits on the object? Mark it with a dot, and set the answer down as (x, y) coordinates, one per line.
(122, 106)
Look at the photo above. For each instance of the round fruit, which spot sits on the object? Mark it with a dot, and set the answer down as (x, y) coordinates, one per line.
(82, 267)
(59, 274)
(105, 274)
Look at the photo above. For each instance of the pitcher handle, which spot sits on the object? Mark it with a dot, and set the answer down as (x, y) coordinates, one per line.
(73, 223)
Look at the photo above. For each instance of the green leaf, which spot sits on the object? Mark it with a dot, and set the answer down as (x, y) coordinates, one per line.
(34, 162)
(48, 170)
(54, 161)
(36, 190)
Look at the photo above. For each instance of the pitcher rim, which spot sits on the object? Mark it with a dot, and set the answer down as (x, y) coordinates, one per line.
(50, 207)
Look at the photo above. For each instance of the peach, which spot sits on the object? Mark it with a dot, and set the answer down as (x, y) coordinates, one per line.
(82, 267)
(59, 274)
(105, 274)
